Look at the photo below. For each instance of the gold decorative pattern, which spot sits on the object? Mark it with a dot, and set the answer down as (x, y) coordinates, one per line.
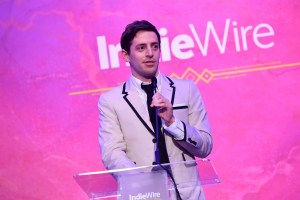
(208, 75)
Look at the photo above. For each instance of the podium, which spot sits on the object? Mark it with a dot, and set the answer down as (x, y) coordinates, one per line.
(145, 182)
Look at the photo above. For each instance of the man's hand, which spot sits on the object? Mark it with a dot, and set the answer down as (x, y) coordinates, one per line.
(165, 109)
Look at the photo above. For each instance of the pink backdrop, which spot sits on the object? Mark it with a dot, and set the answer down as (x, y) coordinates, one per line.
(56, 57)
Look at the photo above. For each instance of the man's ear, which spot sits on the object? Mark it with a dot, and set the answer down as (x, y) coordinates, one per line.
(125, 55)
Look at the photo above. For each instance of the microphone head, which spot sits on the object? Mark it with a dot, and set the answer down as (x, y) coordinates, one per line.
(154, 81)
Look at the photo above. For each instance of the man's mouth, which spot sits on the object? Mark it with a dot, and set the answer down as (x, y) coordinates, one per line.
(149, 62)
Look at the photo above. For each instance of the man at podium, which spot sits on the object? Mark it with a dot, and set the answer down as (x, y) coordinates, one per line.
(152, 118)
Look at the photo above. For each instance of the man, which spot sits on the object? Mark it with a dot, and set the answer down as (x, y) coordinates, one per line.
(127, 132)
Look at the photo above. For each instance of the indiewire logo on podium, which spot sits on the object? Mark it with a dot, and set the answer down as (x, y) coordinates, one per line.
(146, 195)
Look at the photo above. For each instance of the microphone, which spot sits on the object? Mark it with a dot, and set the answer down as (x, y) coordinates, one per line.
(154, 83)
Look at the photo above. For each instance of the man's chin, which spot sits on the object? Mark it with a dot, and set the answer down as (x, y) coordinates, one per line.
(152, 74)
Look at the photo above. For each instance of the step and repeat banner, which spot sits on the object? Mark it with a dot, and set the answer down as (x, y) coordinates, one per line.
(57, 57)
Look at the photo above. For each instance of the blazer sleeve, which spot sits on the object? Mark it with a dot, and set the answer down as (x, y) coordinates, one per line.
(197, 133)
(112, 143)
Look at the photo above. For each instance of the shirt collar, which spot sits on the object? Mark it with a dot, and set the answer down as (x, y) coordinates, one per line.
(137, 82)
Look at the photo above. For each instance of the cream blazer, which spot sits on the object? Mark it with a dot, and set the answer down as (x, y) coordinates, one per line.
(126, 134)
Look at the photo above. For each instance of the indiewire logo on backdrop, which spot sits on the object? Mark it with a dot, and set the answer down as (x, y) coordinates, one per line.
(183, 46)
(146, 195)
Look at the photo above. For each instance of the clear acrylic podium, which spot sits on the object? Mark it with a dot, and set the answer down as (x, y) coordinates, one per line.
(141, 182)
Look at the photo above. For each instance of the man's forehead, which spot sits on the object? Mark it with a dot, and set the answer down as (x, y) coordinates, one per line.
(146, 36)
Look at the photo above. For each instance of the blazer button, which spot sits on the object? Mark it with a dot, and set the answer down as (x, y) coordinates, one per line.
(154, 140)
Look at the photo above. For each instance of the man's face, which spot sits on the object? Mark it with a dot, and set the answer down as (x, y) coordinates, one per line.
(144, 55)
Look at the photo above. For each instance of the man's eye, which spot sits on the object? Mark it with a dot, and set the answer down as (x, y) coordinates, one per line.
(155, 46)
(140, 48)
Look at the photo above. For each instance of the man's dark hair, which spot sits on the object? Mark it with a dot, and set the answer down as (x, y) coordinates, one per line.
(132, 29)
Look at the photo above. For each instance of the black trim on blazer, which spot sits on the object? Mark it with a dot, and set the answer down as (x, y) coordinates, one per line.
(174, 89)
(179, 107)
(183, 157)
(192, 156)
(134, 110)
(184, 129)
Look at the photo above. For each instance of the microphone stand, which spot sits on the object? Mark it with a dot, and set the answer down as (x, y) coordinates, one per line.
(157, 152)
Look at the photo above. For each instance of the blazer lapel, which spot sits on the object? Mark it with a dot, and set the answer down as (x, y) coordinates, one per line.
(168, 89)
(133, 99)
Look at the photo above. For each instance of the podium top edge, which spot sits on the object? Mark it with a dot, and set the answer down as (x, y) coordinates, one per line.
(140, 167)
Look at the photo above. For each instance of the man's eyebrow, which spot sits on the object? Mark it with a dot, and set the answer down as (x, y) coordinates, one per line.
(146, 43)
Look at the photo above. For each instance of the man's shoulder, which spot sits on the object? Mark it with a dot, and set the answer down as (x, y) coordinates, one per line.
(113, 92)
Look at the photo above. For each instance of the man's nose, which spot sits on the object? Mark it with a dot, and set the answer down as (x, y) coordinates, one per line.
(149, 52)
